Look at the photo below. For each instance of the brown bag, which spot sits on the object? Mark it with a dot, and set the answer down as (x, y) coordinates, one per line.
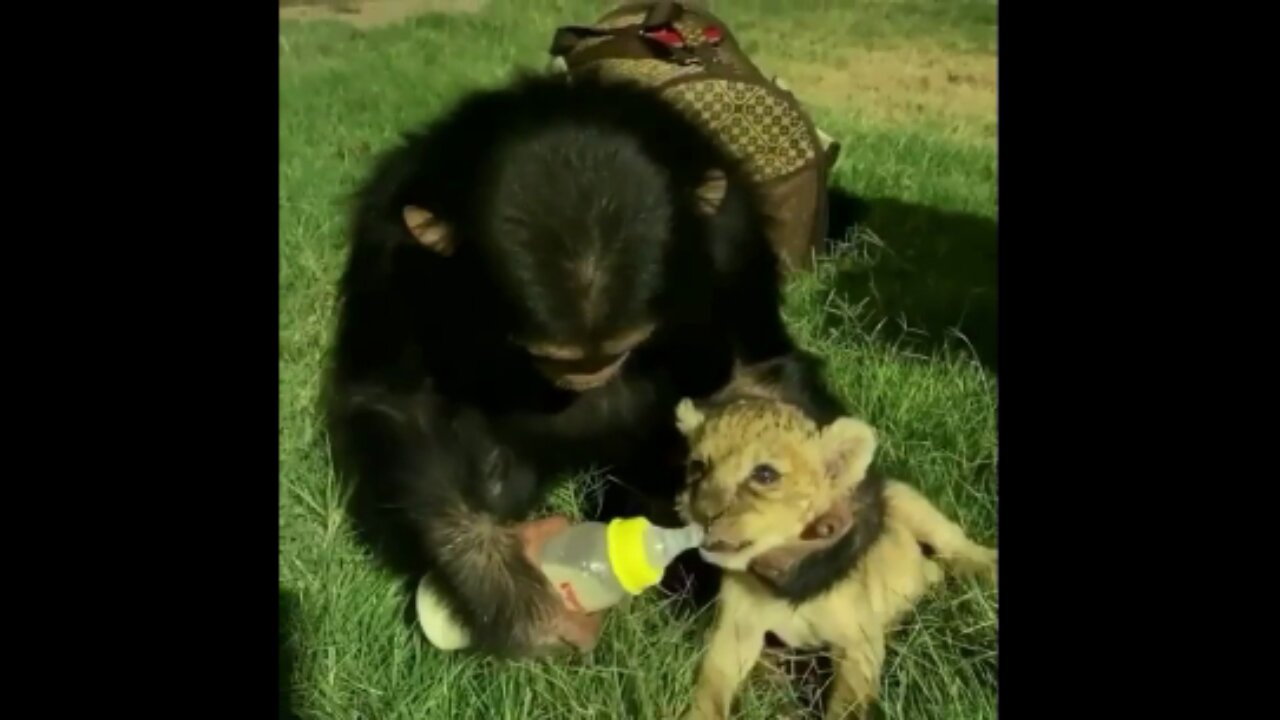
(693, 61)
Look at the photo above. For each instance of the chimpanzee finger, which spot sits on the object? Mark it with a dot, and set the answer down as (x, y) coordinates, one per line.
(535, 533)
(580, 630)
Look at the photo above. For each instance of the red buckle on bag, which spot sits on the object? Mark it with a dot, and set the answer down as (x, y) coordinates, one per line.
(668, 36)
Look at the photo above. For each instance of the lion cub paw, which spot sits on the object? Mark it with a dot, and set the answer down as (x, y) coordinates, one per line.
(977, 561)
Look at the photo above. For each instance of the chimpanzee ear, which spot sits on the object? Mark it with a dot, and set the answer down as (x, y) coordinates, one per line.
(712, 191)
(429, 230)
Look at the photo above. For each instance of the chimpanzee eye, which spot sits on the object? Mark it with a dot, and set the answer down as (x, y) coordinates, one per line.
(764, 475)
(697, 468)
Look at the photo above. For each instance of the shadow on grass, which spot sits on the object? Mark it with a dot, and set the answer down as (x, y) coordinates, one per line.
(392, 541)
(927, 276)
(288, 653)
(381, 529)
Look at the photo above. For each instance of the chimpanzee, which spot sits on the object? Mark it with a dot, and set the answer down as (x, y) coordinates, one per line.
(534, 280)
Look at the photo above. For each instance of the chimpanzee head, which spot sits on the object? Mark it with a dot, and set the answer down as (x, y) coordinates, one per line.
(565, 205)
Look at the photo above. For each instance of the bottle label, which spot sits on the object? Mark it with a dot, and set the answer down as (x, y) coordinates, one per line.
(569, 596)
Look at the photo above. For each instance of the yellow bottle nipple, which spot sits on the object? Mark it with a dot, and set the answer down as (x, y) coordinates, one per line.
(625, 539)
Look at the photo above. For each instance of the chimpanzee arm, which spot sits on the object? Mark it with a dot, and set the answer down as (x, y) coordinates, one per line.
(439, 476)
(797, 376)
(750, 299)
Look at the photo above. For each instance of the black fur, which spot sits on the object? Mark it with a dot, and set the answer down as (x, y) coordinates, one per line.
(820, 571)
(440, 419)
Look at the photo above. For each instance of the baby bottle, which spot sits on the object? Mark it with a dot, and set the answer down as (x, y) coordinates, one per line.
(592, 565)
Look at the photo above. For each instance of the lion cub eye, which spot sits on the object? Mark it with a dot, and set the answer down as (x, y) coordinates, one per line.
(764, 475)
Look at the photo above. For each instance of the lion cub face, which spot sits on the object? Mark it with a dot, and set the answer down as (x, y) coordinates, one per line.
(759, 471)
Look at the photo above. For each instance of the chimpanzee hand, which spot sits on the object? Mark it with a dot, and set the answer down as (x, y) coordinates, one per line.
(581, 630)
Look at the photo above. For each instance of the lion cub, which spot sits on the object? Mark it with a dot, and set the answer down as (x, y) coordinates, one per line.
(814, 549)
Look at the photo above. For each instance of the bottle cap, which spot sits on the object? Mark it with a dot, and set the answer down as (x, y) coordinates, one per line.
(436, 620)
(631, 565)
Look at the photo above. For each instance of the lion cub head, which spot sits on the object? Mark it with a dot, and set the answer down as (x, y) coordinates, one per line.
(760, 473)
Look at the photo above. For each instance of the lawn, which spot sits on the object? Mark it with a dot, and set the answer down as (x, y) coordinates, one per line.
(904, 312)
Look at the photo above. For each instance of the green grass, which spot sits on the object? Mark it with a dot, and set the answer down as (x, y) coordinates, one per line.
(879, 313)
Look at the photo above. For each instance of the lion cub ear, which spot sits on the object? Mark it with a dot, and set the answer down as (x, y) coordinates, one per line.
(848, 446)
(430, 231)
(688, 417)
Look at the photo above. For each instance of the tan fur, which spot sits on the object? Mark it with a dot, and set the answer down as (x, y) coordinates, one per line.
(855, 616)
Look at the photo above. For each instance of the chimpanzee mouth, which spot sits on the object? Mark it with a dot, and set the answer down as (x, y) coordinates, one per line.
(593, 378)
